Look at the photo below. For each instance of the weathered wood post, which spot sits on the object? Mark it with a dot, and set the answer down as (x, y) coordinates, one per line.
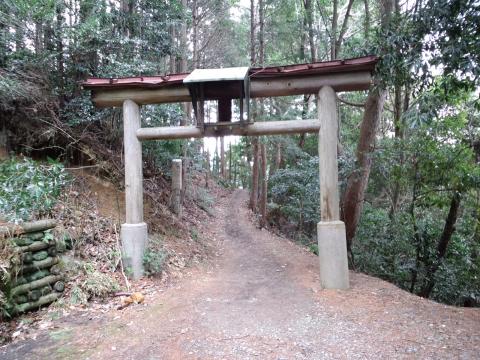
(134, 231)
(177, 186)
(332, 244)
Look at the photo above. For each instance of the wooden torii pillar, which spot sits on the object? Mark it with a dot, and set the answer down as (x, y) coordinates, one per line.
(134, 232)
(331, 237)
(356, 75)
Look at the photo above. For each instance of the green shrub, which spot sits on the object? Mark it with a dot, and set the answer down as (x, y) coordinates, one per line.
(29, 189)
(194, 234)
(155, 256)
(204, 200)
(294, 193)
(78, 296)
(386, 248)
(98, 284)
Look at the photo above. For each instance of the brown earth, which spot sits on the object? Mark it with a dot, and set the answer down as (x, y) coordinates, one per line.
(260, 299)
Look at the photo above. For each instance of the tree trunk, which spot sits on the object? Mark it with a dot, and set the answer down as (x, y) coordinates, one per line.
(48, 37)
(207, 169)
(60, 62)
(173, 56)
(187, 107)
(3, 45)
(366, 24)
(230, 163)
(256, 154)
(358, 180)
(386, 10)
(442, 245)
(263, 200)
(309, 20)
(343, 30)
(397, 114)
(38, 43)
(19, 35)
(276, 159)
(195, 34)
(252, 32)
(333, 35)
(127, 8)
(185, 162)
(476, 237)
(261, 33)
(3, 138)
(307, 23)
(254, 190)
(183, 41)
(177, 187)
(222, 158)
(235, 176)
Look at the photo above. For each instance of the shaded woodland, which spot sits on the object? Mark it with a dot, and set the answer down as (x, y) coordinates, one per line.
(409, 150)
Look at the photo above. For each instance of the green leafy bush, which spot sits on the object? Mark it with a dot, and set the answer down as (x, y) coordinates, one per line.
(295, 196)
(98, 284)
(29, 189)
(203, 199)
(155, 256)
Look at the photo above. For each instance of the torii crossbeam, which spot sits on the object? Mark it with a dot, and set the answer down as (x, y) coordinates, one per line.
(322, 78)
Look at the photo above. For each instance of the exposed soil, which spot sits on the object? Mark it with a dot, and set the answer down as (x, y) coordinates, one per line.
(260, 299)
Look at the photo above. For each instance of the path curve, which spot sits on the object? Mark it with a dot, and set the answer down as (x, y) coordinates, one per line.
(261, 300)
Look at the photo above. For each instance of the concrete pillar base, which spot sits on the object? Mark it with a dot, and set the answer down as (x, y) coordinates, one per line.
(332, 253)
(134, 241)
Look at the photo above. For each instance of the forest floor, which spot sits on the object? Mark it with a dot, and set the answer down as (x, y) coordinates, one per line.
(259, 298)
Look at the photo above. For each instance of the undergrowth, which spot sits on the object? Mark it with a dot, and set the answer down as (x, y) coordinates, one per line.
(98, 284)
(29, 189)
(203, 199)
(155, 256)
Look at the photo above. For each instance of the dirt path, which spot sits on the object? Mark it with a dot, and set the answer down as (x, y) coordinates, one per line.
(261, 300)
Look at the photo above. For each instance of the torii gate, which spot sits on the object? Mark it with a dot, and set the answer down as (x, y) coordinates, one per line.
(223, 85)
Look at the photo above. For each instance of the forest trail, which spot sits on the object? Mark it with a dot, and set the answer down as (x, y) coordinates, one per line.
(260, 299)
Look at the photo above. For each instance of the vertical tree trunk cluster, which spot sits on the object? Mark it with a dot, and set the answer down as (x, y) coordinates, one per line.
(254, 188)
(259, 184)
(254, 141)
(59, 45)
(223, 168)
(263, 201)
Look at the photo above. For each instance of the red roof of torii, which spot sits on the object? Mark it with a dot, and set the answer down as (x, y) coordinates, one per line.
(366, 63)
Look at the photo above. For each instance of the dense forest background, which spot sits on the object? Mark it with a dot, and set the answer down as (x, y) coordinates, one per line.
(409, 148)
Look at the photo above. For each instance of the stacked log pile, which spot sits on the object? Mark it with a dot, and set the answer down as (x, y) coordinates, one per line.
(32, 275)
